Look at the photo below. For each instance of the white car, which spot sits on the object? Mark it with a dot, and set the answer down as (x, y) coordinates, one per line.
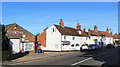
(84, 47)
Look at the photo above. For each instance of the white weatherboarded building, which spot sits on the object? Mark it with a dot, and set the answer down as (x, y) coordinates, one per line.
(60, 37)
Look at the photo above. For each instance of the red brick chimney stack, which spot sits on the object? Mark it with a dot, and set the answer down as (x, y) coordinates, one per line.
(61, 23)
(95, 28)
(111, 33)
(115, 33)
(78, 26)
(84, 29)
(107, 30)
(89, 32)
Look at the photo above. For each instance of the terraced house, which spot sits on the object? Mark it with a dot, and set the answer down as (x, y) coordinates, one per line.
(107, 39)
(115, 37)
(20, 39)
(101, 38)
(95, 37)
(60, 37)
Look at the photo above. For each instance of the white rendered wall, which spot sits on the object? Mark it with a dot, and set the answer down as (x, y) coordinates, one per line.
(108, 40)
(15, 45)
(78, 39)
(53, 39)
(92, 38)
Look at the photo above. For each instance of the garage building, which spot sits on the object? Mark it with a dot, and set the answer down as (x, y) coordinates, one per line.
(20, 39)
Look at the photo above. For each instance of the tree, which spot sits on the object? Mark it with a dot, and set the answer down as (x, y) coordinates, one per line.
(36, 36)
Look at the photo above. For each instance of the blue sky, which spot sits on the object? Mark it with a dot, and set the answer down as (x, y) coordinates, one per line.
(35, 16)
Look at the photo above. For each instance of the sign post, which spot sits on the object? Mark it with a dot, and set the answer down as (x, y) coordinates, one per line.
(23, 41)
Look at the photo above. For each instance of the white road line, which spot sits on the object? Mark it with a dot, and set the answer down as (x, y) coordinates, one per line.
(88, 59)
(81, 61)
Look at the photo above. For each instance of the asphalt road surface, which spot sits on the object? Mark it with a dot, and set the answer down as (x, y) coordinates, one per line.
(99, 58)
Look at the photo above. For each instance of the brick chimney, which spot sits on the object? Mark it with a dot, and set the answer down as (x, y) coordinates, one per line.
(115, 33)
(84, 30)
(89, 32)
(61, 23)
(78, 26)
(95, 28)
(110, 33)
(107, 30)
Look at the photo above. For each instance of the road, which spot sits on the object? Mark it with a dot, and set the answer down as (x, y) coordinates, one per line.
(103, 57)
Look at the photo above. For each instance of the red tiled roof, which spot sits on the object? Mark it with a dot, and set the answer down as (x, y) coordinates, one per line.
(11, 32)
(69, 31)
(115, 36)
(93, 32)
(104, 33)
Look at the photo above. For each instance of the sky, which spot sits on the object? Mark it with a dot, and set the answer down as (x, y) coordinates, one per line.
(60, 0)
(36, 16)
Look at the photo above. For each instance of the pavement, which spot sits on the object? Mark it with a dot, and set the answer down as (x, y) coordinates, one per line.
(100, 58)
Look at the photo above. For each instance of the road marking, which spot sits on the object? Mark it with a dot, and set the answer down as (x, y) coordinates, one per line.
(81, 61)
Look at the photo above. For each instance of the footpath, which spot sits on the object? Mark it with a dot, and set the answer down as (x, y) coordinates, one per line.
(35, 56)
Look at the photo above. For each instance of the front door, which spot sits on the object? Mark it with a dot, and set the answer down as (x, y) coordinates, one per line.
(15, 45)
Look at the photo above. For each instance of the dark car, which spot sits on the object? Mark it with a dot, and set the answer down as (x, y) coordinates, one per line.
(110, 46)
(93, 46)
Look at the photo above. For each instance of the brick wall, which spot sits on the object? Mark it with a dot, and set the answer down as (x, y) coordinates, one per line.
(42, 38)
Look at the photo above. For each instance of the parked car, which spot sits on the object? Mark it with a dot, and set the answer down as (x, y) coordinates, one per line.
(93, 46)
(118, 45)
(84, 47)
(110, 46)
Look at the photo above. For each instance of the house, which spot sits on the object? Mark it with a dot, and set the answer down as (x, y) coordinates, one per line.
(20, 39)
(108, 36)
(101, 38)
(95, 37)
(60, 37)
(115, 37)
(108, 39)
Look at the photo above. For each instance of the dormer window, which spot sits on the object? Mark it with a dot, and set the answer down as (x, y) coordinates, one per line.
(79, 32)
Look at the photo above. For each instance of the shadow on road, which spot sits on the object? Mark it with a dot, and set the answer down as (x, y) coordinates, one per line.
(16, 56)
(110, 57)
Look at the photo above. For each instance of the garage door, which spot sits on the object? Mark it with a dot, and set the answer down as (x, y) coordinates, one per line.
(15, 45)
